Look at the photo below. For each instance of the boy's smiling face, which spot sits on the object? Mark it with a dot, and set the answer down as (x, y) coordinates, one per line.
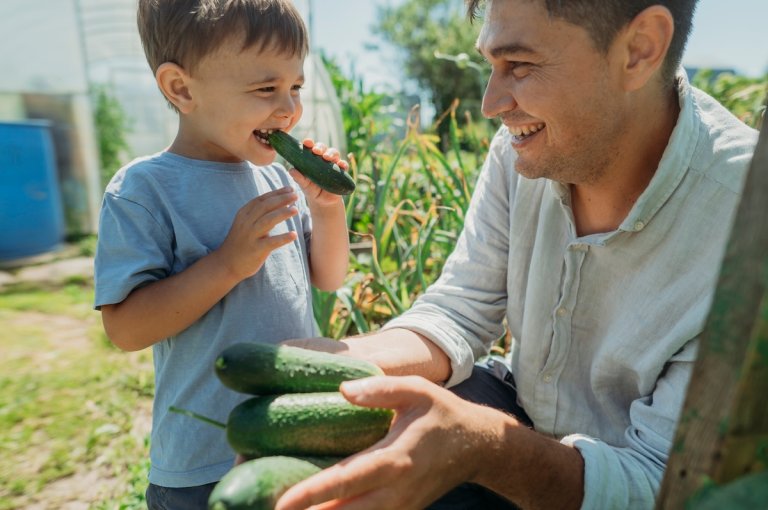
(232, 93)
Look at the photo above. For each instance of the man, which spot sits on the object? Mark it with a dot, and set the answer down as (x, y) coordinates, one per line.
(596, 229)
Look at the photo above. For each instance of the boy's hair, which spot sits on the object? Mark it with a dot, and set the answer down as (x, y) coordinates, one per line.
(185, 31)
(603, 19)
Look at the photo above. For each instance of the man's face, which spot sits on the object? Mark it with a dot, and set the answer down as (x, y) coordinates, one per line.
(554, 92)
(237, 93)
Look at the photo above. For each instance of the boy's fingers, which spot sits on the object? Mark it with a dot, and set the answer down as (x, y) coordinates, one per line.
(319, 148)
(331, 154)
(265, 223)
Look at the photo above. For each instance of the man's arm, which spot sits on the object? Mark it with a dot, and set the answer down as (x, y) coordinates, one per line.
(396, 351)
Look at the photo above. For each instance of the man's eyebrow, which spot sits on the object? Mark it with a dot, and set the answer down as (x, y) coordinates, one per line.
(508, 49)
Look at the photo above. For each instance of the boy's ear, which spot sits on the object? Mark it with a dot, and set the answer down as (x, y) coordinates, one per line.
(645, 42)
(173, 81)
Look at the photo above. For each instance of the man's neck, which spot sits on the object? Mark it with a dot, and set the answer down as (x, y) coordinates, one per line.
(602, 206)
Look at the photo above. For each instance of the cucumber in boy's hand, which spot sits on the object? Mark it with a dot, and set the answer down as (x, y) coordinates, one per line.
(325, 174)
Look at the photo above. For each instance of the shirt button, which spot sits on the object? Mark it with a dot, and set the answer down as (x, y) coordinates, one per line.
(548, 378)
(639, 225)
(561, 312)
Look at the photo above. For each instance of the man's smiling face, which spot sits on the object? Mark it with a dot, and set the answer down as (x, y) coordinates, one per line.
(553, 90)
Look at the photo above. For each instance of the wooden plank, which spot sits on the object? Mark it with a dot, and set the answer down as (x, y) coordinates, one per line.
(723, 429)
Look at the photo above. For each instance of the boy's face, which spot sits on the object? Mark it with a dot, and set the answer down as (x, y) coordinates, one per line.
(235, 93)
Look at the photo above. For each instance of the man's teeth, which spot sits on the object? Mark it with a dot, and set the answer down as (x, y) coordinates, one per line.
(526, 130)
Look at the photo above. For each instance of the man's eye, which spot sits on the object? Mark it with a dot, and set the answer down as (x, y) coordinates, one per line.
(518, 69)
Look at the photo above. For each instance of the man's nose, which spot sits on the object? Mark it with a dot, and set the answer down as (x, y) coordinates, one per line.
(498, 98)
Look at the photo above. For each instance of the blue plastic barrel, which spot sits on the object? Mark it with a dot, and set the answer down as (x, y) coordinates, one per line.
(31, 213)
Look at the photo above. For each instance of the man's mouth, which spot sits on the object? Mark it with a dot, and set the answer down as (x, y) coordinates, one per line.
(520, 133)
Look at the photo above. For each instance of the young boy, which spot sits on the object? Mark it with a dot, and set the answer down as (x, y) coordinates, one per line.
(209, 242)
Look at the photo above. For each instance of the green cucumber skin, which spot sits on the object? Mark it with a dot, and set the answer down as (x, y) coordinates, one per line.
(258, 484)
(304, 424)
(266, 369)
(323, 173)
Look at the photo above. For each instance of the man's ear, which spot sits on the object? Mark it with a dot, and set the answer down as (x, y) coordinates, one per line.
(173, 82)
(646, 41)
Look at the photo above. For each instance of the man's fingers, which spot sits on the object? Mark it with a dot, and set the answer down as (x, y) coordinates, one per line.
(386, 391)
(351, 477)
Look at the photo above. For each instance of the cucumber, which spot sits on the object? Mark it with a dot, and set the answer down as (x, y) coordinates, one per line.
(266, 369)
(304, 424)
(258, 484)
(325, 174)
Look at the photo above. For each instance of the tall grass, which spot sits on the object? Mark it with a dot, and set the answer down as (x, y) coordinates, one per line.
(404, 219)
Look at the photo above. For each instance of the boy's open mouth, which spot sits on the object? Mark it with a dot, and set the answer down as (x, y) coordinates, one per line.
(263, 135)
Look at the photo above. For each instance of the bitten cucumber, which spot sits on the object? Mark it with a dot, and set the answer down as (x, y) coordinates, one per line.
(266, 369)
(304, 424)
(325, 174)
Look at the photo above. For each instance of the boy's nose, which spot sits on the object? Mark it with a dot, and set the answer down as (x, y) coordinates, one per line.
(288, 106)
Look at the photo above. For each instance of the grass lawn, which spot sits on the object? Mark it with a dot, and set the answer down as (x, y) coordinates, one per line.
(74, 411)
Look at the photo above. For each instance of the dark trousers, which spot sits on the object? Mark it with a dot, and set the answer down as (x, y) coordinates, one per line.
(178, 498)
(490, 384)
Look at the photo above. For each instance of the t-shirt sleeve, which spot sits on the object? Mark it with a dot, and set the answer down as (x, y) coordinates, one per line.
(133, 249)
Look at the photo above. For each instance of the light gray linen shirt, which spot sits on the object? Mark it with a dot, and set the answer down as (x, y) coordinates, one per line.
(605, 325)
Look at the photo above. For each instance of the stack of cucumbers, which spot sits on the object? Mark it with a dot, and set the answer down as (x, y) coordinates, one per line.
(296, 424)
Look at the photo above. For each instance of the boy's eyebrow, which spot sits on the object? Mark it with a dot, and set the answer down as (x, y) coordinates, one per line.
(508, 49)
(271, 79)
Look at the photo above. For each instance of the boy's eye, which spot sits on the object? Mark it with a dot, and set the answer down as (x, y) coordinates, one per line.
(266, 89)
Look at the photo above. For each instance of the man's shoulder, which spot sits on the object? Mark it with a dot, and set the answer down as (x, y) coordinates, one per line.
(725, 144)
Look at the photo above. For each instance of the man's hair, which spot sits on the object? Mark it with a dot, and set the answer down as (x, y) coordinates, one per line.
(603, 19)
(185, 31)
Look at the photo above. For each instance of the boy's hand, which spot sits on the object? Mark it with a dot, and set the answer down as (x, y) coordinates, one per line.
(316, 196)
(248, 242)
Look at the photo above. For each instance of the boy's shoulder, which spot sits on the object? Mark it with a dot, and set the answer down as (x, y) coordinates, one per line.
(137, 172)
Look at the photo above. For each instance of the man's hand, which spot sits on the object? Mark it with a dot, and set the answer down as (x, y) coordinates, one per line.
(435, 443)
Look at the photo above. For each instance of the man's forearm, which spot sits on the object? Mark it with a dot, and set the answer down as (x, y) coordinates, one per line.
(533, 471)
(402, 352)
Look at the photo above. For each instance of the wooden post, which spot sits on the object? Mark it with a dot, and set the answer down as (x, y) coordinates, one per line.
(723, 429)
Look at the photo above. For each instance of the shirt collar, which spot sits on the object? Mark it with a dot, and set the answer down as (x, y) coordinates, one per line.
(673, 165)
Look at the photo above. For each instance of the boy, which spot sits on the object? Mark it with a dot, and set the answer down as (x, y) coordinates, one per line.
(188, 261)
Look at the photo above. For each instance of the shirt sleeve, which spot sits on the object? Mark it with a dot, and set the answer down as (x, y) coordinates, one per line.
(630, 476)
(133, 249)
(463, 311)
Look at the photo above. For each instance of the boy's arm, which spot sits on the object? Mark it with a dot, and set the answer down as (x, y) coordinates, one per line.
(329, 255)
(165, 307)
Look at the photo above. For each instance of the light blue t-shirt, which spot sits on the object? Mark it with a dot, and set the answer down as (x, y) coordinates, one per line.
(161, 214)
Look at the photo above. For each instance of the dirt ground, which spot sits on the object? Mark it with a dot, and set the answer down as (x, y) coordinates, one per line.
(95, 482)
